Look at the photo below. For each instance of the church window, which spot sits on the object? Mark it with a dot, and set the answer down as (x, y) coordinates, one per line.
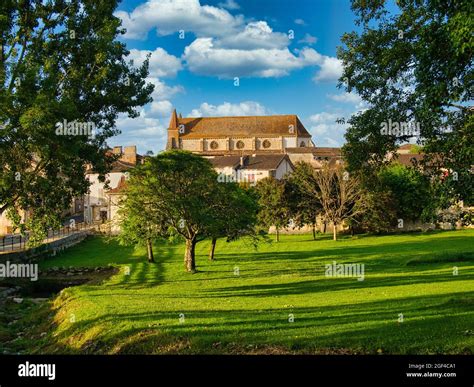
(214, 145)
(240, 144)
(302, 144)
(266, 144)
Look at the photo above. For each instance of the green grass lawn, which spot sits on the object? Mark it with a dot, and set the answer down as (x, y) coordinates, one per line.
(410, 274)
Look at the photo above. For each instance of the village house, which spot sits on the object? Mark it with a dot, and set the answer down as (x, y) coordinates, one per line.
(100, 204)
(251, 168)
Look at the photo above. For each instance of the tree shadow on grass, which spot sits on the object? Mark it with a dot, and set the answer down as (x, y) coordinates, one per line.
(325, 285)
(353, 252)
(144, 274)
(431, 324)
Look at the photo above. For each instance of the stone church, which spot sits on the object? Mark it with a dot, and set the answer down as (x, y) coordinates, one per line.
(219, 136)
(252, 147)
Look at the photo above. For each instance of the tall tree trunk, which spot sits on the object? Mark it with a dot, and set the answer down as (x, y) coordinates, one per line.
(314, 231)
(149, 250)
(277, 234)
(189, 262)
(213, 248)
(324, 228)
(334, 231)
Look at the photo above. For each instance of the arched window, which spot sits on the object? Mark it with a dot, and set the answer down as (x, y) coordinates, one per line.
(302, 144)
(267, 144)
(240, 144)
(214, 145)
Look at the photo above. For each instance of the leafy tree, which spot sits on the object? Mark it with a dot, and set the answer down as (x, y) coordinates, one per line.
(377, 212)
(411, 192)
(60, 62)
(304, 206)
(137, 220)
(273, 209)
(178, 189)
(235, 215)
(413, 65)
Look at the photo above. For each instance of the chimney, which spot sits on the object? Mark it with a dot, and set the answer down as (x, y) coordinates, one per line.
(130, 155)
(117, 150)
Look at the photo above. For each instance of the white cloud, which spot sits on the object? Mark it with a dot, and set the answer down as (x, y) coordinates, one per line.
(161, 108)
(330, 142)
(325, 130)
(331, 69)
(226, 46)
(230, 5)
(162, 90)
(171, 16)
(300, 22)
(247, 108)
(322, 123)
(346, 98)
(308, 39)
(202, 57)
(144, 131)
(255, 35)
(162, 64)
(323, 117)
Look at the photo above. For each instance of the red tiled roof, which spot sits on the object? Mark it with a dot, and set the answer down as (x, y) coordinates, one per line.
(258, 162)
(225, 161)
(121, 166)
(243, 126)
(317, 151)
(265, 162)
(409, 159)
(122, 184)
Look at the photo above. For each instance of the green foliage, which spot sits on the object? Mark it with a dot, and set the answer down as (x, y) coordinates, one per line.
(378, 212)
(235, 212)
(410, 191)
(273, 204)
(414, 65)
(60, 61)
(303, 204)
(136, 216)
(176, 194)
(178, 188)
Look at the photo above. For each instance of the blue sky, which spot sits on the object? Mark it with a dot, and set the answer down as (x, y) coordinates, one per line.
(279, 73)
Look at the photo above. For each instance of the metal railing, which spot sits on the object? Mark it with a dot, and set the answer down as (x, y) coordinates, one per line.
(19, 242)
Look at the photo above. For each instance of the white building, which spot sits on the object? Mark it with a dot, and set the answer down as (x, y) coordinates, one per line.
(98, 206)
(252, 168)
